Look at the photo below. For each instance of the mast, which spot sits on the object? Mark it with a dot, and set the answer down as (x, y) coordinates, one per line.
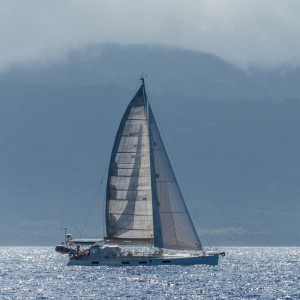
(156, 222)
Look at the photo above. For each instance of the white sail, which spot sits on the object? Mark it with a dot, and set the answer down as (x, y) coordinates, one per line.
(129, 198)
(143, 200)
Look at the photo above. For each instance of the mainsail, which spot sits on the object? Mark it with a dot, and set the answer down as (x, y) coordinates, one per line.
(143, 199)
(128, 197)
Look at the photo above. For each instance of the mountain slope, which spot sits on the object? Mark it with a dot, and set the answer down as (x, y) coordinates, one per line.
(234, 137)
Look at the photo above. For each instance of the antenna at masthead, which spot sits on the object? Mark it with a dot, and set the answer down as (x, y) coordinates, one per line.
(142, 79)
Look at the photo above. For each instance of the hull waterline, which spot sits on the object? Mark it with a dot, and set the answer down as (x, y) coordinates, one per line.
(147, 261)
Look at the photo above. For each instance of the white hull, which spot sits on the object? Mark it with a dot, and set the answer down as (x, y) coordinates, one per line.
(146, 261)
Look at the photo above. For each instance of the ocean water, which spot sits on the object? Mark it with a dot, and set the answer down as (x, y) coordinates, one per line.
(245, 273)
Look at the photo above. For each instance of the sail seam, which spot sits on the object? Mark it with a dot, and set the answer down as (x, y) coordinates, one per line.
(119, 214)
(120, 176)
(162, 181)
(173, 212)
(126, 169)
(140, 190)
(129, 152)
(120, 199)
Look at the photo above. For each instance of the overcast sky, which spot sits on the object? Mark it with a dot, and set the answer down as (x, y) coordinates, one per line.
(244, 32)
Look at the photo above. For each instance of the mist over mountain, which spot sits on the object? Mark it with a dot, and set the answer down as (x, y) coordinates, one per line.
(234, 136)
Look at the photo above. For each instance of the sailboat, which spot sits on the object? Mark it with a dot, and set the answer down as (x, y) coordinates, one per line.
(147, 221)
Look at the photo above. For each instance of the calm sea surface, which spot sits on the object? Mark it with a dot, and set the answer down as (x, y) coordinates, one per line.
(245, 273)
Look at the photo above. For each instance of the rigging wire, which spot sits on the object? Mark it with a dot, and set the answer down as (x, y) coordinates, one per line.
(94, 201)
(91, 207)
(180, 178)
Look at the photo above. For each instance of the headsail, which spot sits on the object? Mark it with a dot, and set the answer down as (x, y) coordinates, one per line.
(143, 199)
(173, 227)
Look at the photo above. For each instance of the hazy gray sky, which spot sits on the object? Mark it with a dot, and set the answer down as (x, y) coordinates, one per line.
(263, 32)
